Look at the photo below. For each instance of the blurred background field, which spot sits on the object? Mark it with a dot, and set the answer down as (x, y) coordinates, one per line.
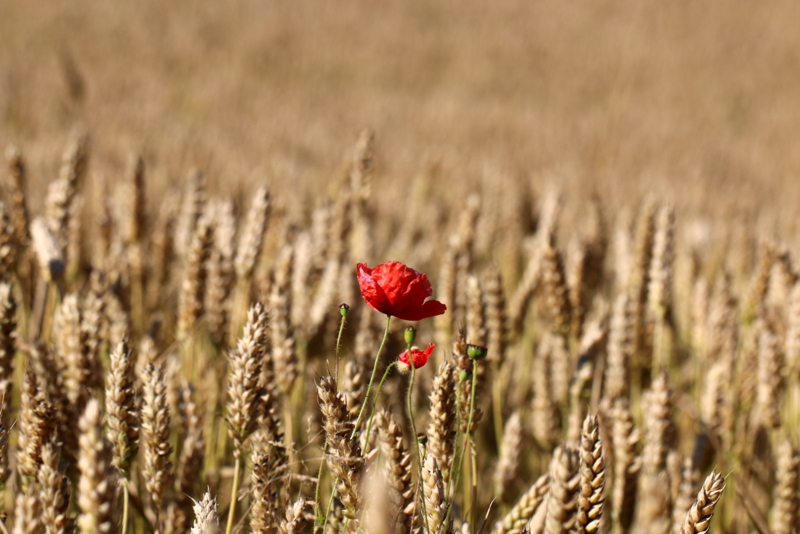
(683, 100)
(668, 132)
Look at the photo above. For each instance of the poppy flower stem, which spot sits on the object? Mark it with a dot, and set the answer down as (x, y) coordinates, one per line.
(377, 396)
(467, 447)
(410, 409)
(458, 458)
(372, 377)
(338, 344)
(471, 441)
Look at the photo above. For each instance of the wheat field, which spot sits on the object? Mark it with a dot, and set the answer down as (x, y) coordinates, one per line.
(602, 194)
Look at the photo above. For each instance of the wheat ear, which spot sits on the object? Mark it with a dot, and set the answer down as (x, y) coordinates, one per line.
(8, 342)
(398, 472)
(220, 272)
(36, 426)
(205, 513)
(562, 500)
(593, 476)
(698, 519)
(442, 418)
(505, 474)
(245, 364)
(54, 492)
(123, 417)
(521, 513)
(28, 511)
(785, 500)
(154, 442)
(298, 516)
(98, 482)
(434, 493)
(625, 438)
(18, 185)
(343, 454)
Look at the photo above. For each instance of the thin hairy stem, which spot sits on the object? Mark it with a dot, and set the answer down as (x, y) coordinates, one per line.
(377, 396)
(457, 461)
(410, 407)
(338, 344)
(372, 376)
(469, 445)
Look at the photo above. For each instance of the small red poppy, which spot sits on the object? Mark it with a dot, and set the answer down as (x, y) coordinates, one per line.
(420, 358)
(398, 290)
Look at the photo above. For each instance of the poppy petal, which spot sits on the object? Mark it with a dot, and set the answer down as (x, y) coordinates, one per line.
(428, 309)
(395, 279)
(373, 293)
(418, 290)
(420, 357)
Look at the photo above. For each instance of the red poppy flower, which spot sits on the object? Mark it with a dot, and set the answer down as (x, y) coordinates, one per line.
(398, 290)
(420, 358)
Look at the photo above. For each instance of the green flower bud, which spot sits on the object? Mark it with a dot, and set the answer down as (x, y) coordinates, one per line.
(410, 335)
(476, 352)
(343, 309)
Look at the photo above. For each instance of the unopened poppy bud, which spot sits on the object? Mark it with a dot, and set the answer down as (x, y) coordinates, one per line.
(343, 309)
(476, 352)
(422, 438)
(463, 375)
(410, 335)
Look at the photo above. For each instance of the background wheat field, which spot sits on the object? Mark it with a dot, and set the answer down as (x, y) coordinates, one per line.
(602, 193)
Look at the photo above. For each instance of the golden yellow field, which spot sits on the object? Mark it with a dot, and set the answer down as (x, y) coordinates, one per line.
(603, 194)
